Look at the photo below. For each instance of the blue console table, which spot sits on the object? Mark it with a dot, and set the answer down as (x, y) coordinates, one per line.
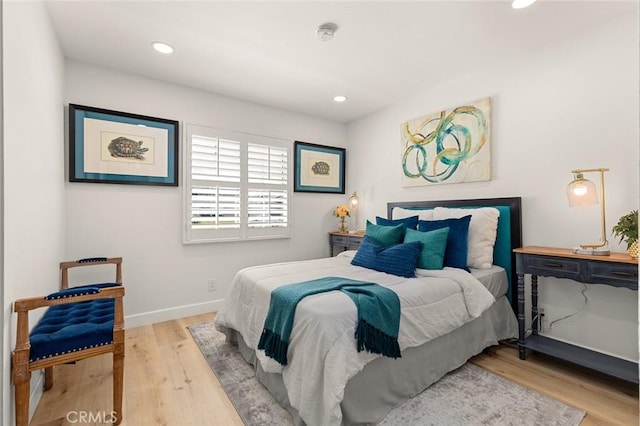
(618, 270)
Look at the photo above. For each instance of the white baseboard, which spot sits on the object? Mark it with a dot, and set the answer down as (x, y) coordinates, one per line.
(168, 314)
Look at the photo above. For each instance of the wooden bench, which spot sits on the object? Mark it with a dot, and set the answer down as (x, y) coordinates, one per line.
(80, 322)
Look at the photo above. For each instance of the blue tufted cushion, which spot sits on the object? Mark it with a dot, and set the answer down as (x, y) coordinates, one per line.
(73, 326)
(399, 259)
(80, 290)
(92, 259)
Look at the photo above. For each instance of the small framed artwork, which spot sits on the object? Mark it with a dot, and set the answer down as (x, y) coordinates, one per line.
(318, 168)
(117, 147)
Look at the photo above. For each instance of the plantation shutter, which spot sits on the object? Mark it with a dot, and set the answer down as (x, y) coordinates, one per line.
(267, 175)
(267, 187)
(238, 186)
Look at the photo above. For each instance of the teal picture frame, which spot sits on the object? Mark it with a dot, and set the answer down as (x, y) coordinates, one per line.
(107, 146)
(319, 168)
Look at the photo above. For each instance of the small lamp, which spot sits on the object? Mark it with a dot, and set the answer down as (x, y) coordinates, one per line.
(354, 205)
(582, 192)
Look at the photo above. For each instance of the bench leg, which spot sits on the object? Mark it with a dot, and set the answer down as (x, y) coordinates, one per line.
(22, 383)
(118, 381)
(48, 378)
(22, 403)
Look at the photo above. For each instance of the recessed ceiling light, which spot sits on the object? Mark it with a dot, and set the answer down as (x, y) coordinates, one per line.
(521, 4)
(339, 98)
(162, 47)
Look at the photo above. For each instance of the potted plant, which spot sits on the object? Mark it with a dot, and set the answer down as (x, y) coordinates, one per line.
(627, 230)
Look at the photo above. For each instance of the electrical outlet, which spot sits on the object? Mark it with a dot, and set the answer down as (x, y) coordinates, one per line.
(212, 284)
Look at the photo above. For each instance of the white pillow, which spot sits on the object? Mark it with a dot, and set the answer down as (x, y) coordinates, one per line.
(483, 230)
(400, 213)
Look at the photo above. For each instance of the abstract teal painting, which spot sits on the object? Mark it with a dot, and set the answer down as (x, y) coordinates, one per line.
(450, 146)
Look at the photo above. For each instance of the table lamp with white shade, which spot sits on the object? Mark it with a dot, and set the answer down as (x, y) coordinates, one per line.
(583, 192)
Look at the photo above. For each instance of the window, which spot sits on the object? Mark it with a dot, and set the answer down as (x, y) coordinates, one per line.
(237, 186)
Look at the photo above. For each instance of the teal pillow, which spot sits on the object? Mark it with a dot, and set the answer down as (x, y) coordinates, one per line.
(386, 236)
(434, 244)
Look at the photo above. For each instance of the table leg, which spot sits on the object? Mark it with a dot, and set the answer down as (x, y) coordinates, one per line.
(521, 324)
(534, 304)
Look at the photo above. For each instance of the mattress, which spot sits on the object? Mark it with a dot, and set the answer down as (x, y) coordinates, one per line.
(494, 279)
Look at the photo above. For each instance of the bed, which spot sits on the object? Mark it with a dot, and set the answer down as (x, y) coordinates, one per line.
(448, 316)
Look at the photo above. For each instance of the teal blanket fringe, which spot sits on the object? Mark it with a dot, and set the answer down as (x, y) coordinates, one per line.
(378, 315)
(375, 341)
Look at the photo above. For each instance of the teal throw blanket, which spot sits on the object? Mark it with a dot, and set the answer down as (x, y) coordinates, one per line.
(378, 315)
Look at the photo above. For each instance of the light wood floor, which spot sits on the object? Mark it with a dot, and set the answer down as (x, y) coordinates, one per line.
(168, 382)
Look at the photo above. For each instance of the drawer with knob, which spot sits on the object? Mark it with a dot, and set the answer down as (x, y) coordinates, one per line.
(615, 274)
(554, 267)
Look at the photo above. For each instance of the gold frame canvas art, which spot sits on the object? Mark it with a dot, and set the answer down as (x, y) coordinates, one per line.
(450, 146)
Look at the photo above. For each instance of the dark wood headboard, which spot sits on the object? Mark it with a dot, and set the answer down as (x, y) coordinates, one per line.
(515, 226)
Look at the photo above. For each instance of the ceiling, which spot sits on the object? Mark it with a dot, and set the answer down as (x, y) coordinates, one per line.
(267, 52)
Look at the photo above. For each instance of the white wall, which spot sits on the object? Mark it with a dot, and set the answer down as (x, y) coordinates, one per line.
(165, 279)
(33, 74)
(571, 105)
(3, 345)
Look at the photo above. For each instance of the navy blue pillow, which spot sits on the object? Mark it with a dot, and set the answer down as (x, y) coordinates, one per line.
(400, 259)
(409, 222)
(457, 249)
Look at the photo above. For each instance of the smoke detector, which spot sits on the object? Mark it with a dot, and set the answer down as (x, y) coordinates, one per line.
(326, 31)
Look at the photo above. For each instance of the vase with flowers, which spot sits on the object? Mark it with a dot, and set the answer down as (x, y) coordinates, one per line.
(627, 230)
(342, 212)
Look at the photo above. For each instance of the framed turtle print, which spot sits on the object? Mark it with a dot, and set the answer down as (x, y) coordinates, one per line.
(318, 168)
(117, 147)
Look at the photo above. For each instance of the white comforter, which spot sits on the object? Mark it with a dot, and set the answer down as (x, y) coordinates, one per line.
(322, 353)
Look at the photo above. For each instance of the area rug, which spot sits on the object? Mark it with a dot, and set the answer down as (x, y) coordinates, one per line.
(466, 396)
